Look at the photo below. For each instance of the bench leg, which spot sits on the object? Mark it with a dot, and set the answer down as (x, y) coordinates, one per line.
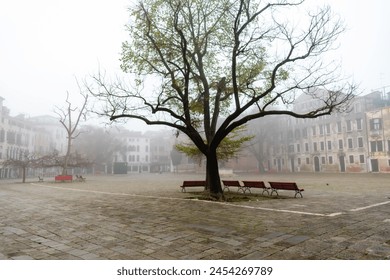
(298, 192)
(183, 189)
(274, 190)
(265, 190)
(247, 189)
(241, 188)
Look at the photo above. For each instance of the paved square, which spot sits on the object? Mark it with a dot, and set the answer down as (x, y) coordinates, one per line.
(145, 216)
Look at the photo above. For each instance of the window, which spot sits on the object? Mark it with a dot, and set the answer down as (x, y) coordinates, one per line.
(304, 132)
(298, 148)
(376, 124)
(350, 143)
(329, 145)
(349, 125)
(360, 142)
(359, 124)
(341, 146)
(307, 161)
(322, 146)
(330, 159)
(315, 147)
(339, 128)
(328, 128)
(299, 161)
(322, 160)
(321, 129)
(306, 147)
(11, 137)
(361, 159)
(314, 130)
(290, 148)
(2, 136)
(376, 146)
(351, 159)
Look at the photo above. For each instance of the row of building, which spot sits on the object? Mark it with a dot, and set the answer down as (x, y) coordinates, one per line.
(354, 141)
(357, 141)
(22, 136)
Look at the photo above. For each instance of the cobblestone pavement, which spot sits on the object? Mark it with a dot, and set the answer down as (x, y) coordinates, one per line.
(145, 216)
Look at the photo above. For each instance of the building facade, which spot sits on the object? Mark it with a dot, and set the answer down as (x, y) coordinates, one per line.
(135, 152)
(21, 136)
(356, 141)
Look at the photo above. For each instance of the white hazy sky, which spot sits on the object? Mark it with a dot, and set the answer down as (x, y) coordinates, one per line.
(46, 44)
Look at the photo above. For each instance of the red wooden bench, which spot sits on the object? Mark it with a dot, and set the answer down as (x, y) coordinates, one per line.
(290, 186)
(63, 178)
(229, 183)
(256, 185)
(187, 184)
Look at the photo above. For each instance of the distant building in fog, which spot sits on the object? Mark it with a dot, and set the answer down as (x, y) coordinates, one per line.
(21, 136)
(357, 141)
(135, 152)
(52, 135)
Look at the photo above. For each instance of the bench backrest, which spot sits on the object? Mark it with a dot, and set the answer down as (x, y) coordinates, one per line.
(63, 177)
(231, 183)
(284, 185)
(254, 184)
(194, 183)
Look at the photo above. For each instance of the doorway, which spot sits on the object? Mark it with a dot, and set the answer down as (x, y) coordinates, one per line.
(374, 165)
(292, 164)
(316, 164)
(342, 163)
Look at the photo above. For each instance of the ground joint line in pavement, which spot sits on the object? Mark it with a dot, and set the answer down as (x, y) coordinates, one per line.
(369, 206)
(224, 203)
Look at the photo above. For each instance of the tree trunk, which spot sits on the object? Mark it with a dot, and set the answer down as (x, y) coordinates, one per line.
(67, 156)
(260, 165)
(212, 176)
(23, 174)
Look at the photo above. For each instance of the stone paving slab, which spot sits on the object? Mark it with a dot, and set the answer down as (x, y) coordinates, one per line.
(147, 217)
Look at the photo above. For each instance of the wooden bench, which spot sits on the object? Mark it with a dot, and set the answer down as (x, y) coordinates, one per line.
(63, 178)
(290, 186)
(257, 185)
(189, 184)
(40, 179)
(229, 183)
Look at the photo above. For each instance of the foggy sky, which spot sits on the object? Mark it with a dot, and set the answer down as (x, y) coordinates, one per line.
(46, 44)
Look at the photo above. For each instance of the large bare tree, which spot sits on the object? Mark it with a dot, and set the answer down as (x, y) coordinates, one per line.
(70, 117)
(202, 66)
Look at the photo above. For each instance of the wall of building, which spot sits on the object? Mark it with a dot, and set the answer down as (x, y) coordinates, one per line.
(356, 141)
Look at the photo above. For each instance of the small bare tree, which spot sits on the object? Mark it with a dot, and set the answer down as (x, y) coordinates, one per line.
(23, 162)
(70, 118)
